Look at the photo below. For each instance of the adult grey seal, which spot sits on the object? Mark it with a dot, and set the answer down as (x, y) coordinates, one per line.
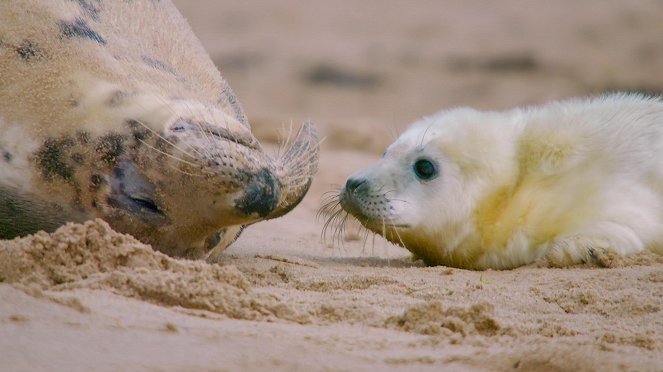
(570, 182)
(112, 109)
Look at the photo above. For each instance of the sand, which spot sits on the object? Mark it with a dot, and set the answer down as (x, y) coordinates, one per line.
(88, 297)
(284, 298)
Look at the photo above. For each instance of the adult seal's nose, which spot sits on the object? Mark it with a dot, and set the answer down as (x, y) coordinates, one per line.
(261, 196)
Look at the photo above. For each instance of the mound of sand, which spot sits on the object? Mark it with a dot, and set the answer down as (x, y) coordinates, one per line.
(94, 256)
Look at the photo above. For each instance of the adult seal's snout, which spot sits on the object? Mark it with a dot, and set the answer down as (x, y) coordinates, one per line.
(261, 196)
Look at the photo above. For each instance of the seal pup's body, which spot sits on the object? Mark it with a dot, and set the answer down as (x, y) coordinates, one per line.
(112, 109)
(566, 181)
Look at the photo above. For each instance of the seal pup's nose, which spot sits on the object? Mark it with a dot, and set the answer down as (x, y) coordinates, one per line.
(352, 194)
(352, 184)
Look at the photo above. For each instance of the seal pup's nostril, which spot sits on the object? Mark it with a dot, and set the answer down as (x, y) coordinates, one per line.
(353, 184)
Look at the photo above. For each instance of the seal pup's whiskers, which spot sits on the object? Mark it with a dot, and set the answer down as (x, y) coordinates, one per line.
(330, 210)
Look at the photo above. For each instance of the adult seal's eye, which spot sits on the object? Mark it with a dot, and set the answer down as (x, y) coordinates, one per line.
(425, 169)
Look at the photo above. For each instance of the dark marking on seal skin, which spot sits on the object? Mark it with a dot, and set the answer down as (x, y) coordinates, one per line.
(260, 196)
(156, 64)
(89, 8)
(96, 181)
(83, 137)
(78, 158)
(51, 158)
(139, 132)
(79, 28)
(110, 147)
(29, 51)
(7, 156)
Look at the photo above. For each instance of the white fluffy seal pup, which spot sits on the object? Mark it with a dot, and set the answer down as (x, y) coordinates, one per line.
(565, 181)
(112, 109)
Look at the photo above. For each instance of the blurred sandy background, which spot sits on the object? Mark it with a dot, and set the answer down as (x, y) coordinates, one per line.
(382, 64)
(283, 299)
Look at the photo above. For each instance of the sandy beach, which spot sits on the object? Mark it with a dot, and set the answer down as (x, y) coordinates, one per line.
(285, 297)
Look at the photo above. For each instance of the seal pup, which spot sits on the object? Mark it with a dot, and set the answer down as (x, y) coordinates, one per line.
(566, 181)
(112, 109)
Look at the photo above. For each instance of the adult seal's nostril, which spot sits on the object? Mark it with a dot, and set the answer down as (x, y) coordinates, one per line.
(353, 184)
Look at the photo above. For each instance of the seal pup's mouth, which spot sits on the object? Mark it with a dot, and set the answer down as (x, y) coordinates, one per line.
(131, 191)
(355, 199)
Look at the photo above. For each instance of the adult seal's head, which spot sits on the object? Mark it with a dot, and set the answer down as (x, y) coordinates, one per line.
(569, 182)
(113, 109)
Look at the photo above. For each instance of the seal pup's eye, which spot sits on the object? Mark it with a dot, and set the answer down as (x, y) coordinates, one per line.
(425, 169)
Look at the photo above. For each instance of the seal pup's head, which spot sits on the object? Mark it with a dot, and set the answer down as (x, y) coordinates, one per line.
(424, 192)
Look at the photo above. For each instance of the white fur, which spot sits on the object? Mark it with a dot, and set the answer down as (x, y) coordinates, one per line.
(566, 181)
